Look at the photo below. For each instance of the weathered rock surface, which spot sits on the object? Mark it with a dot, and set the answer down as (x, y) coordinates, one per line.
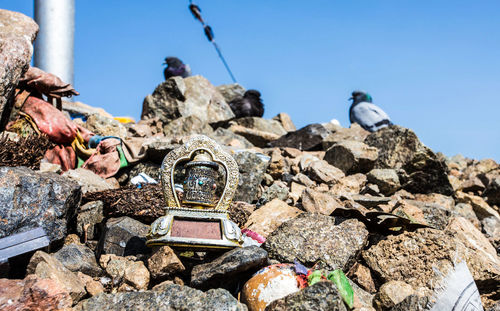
(170, 297)
(231, 91)
(124, 236)
(352, 156)
(260, 124)
(127, 274)
(252, 167)
(492, 192)
(228, 138)
(80, 258)
(104, 126)
(17, 33)
(392, 293)
(164, 262)
(33, 293)
(185, 126)
(278, 190)
(286, 121)
(88, 180)
(387, 180)
(322, 172)
(229, 268)
(355, 132)
(309, 137)
(313, 237)
(320, 202)
(30, 199)
(270, 216)
(321, 296)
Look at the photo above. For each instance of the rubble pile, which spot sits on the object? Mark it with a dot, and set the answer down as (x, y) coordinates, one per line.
(351, 220)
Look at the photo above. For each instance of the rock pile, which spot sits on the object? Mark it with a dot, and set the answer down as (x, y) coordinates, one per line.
(394, 216)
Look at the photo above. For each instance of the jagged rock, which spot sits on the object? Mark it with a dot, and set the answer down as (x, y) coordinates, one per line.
(78, 258)
(240, 211)
(322, 172)
(33, 293)
(473, 184)
(124, 236)
(278, 190)
(307, 159)
(369, 201)
(17, 33)
(164, 262)
(363, 277)
(413, 302)
(228, 138)
(50, 167)
(192, 96)
(320, 202)
(252, 167)
(159, 148)
(413, 213)
(313, 237)
(127, 274)
(321, 296)
(91, 286)
(171, 297)
(352, 156)
(46, 266)
(30, 199)
(355, 132)
(145, 128)
(185, 126)
(351, 184)
(104, 126)
(270, 216)
(256, 137)
(465, 210)
(231, 91)
(309, 137)
(304, 180)
(434, 214)
(387, 180)
(399, 147)
(492, 192)
(285, 121)
(261, 124)
(228, 269)
(392, 293)
(88, 180)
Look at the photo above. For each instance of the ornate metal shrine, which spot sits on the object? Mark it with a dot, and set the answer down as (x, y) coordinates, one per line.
(200, 219)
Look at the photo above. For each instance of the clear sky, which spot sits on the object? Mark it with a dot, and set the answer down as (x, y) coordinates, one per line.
(433, 66)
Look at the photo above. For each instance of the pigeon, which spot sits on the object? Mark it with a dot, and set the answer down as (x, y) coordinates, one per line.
(175, 67)
(249, 105)
(366, 114)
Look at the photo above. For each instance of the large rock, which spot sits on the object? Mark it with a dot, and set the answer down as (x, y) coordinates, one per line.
(352, 156)
(46, 266)
(312, 237)
(387, 180)
(33, 293)
(30, 199)
(185, 126)
(286, 121)
(164, 262)
(78, 258)
(104, 126)
(228, 269)
(127, 274)
(252, 167)
(399, 147)
(124, 236)
(169, 297)
(309, 137)
(355, 132)
(492, 192)
(228, 138)
(231, 91)
(193, 96)
(90, 181)
(322, 172)
(321, 296)
(17, 33)
(321, 202)
(392, 293)
(257, 137)
(261, 124)
(270, 216)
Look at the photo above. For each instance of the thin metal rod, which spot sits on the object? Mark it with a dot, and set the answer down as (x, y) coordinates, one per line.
(224, 61)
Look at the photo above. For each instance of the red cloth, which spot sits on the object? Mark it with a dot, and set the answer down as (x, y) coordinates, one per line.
(62, 155)
(105, 162)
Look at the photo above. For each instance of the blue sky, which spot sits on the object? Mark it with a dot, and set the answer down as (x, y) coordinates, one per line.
(433, 66)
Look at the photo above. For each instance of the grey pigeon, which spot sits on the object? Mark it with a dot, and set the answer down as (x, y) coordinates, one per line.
(250, 105)
(366, 114)
(175, 67)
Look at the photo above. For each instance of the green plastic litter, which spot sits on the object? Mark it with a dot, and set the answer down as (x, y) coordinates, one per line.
(314, 277)
(123, 160)
(340, 280)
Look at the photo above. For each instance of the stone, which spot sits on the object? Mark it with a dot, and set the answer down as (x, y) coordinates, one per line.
(192, 96)
(473, 184)
(363, 277)
(252, 167)
(185, 126)
(231, 91)
(278, 190)
(399, 147)
(424, 257)
(30, 199)
(387, 180)
(82, 111)
(392, 293)
(78, 258)
(320, 202)
(124, 236)
(310, 238)
(164, 262)
(304, 180)
(307, 159)
(270, 216)
(435, 215)
(369, 201)
(465, 210)
(285, 121)
(411, 212)
(351, 184)
(50, 167)
(104, 126)
(228, 269)
(226, 137)
(149, 168)
(33, 293)
(158, 148)
(261, 124)
(89, 219)
(127, 274)
(355, 132)
(318, 297)
(352, 156)
(295, 193)
(494, 307)
(17, 33)
(170, 297)
(240, 211)
(91, 286)
(322, 172)
(46, 266)
(88, 180)
(257, 137)
(492, 192)
(309, 137)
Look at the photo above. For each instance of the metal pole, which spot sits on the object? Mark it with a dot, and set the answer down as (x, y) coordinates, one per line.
(54, 44)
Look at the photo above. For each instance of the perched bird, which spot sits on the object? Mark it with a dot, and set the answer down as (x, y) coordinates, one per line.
(250, 105)
(175, 67)
(366, 114)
